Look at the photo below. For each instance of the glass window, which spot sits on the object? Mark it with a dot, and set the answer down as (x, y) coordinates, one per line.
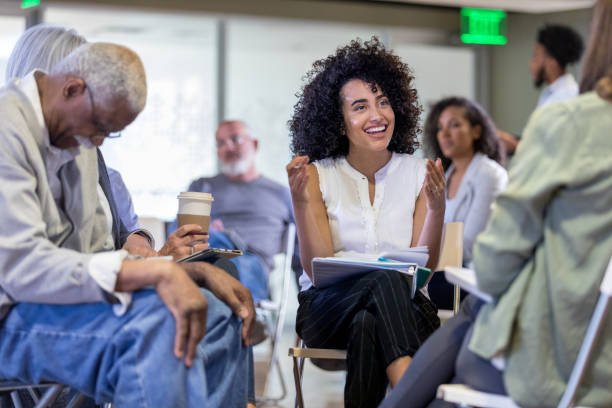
(266, 60)
(11, 28)
(172, 140)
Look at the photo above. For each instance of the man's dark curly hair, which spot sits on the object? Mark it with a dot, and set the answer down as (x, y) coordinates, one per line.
(317, 122)
(488, 142)
(562, 43)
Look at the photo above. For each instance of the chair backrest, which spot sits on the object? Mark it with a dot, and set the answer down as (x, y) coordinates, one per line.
(289, 247)
(282, 263)
(451, 253)
(590, 337)
(156, 227)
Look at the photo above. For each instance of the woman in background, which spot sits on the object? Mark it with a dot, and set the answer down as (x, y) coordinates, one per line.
(464, 136)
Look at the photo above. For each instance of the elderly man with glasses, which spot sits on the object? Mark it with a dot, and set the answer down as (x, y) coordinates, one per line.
(131, 331)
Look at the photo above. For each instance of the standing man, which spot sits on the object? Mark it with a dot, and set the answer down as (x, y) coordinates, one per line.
(71, 312)
(557, 47)
(250, 210)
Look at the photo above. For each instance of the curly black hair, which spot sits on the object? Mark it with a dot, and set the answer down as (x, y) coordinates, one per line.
(562, 43)
(317, 122)
(488, 143)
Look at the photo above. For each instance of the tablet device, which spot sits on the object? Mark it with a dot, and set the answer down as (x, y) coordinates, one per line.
(211, 255)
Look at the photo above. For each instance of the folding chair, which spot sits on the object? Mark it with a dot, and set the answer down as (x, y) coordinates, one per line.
(47, 398)
(467, 397)
(275, 315)
(451, 254)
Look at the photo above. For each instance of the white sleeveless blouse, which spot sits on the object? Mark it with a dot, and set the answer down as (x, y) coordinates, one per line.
(355, 224)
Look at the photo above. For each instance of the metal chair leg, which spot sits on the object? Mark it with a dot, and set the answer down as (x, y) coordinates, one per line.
(76, 401)
(16, 400)
(34, 394)
(456, 299)
(282, 380)
(298, 369)
(49, 396)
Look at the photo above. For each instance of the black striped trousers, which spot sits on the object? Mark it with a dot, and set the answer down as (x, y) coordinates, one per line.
(374, 319)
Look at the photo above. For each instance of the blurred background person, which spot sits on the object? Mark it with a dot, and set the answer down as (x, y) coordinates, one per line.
(557, 47)
(462, 134)
(250, 212)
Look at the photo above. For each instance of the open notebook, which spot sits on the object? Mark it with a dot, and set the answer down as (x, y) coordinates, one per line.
(331, 270)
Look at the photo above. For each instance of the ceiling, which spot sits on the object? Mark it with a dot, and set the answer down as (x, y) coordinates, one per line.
(521, 6)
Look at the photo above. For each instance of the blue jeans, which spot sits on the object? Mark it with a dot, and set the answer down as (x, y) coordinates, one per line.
(127, 359)
(250, 269)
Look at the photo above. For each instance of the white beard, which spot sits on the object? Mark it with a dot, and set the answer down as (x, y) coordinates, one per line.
(235, 168)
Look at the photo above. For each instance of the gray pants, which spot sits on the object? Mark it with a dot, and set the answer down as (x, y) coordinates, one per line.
(443, 359)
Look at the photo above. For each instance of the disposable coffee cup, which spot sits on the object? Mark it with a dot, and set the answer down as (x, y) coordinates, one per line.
(194, 208)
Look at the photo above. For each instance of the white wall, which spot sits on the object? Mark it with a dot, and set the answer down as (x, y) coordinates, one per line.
(171, 142)
(11, 28)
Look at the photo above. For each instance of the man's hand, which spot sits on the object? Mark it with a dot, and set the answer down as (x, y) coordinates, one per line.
(188, 305)
(509, 141)
(228, 290)
(185, 241)
(138, 245)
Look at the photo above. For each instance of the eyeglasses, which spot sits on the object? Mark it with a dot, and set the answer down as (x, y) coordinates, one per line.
(236, 139)
(102, 130)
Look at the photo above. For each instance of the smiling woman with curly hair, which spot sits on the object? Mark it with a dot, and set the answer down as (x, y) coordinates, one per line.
(317, 126)
(356, 188)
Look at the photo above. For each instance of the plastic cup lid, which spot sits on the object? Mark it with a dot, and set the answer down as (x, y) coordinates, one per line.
(191, 195)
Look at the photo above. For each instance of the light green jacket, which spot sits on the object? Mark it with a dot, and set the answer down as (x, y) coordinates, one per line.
(544, 253)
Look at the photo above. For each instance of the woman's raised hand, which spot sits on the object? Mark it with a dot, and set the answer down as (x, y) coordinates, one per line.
(434, 185)
(298, 178)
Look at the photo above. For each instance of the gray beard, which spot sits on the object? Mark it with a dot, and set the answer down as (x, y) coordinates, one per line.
(235, 168)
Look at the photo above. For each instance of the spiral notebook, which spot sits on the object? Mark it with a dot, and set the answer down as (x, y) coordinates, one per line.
(330, 270)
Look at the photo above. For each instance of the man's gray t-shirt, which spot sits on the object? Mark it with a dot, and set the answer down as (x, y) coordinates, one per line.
(257, 211)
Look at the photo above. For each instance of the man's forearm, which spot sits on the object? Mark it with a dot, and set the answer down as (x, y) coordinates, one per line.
(197, 271)
(139, 245)
(137, 274)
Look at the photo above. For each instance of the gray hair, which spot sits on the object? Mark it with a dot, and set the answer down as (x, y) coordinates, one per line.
(111, 72)
(41, 46)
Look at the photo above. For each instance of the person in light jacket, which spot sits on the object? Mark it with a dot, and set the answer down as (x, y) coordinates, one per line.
(461, 132)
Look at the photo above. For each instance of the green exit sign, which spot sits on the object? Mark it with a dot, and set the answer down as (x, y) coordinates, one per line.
(482, 26)
(29, 3)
